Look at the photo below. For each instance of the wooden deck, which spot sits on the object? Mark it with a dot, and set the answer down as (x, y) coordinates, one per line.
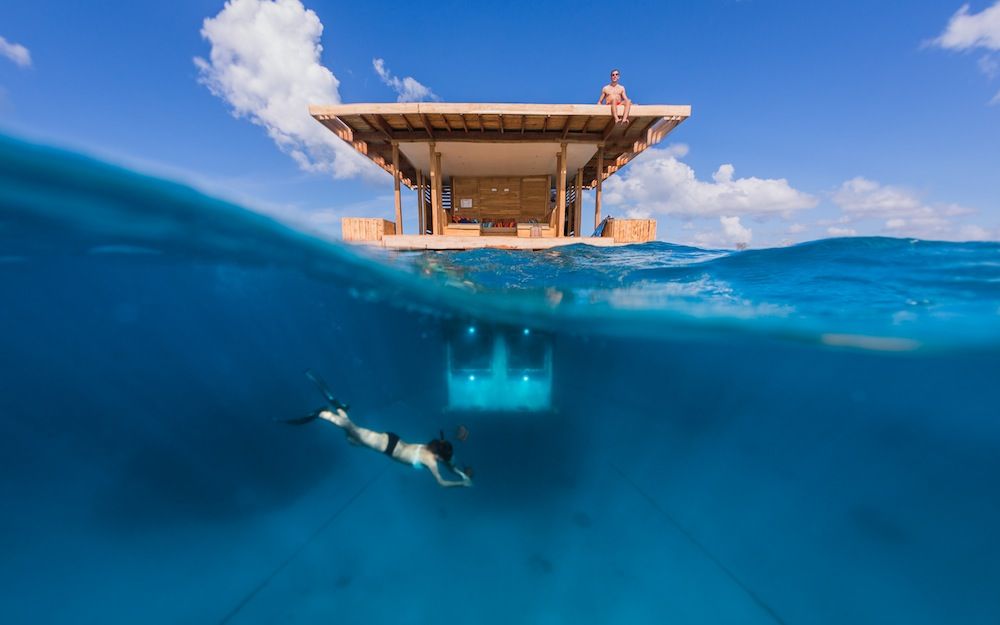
(432, 242)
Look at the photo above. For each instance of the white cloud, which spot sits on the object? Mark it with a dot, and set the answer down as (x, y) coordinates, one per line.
(658, 183)
(15, 52)
(902, 213)
(989, 65)
(796, 229)
(265, 63)
(861, 197)
(731, 233)
(972, 30)
(968, 31)
(408, 89)
(734, 231)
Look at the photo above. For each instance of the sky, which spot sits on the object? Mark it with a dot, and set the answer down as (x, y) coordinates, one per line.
(809, 120)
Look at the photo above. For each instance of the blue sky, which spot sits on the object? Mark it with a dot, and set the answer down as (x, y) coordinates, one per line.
(809, 119)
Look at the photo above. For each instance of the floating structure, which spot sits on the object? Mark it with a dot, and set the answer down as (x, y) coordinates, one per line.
(498, 175)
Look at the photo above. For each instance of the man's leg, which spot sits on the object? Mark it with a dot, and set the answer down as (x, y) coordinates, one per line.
(614, 110)
(628, 107)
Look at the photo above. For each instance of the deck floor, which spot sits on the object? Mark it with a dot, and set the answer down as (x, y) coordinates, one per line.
(432, 242)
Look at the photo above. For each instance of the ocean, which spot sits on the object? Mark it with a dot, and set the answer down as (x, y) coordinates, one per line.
(659, 434)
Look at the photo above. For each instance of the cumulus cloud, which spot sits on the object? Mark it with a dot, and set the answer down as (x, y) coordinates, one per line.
(730, 233)
(15, 52)
(265, 62)
(902, 212)
(407, 89)
(734, 231)
(972, 30)
(657, 182)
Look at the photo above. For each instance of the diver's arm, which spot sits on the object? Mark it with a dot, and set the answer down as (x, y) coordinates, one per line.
(460, 473)
(447, 483)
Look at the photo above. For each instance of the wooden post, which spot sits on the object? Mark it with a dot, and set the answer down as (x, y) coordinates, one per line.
(561, 193)
(421, 203)
(600, 179)
(435, 198)
(439, 216)
(578, 204)
(395, 187)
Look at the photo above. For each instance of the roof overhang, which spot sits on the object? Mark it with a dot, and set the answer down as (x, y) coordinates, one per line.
(498, 139)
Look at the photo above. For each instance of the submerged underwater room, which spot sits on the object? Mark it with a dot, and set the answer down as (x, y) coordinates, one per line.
(655, 433)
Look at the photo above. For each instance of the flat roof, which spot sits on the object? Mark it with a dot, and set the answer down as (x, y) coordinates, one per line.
(498, 139)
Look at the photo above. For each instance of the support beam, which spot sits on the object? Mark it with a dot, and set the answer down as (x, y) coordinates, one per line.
(435, 196)
(427, 126)
(375, 138)
(440, 182)
(561, 193)
(600, 179)
(421, 203)
(395, 188)
(578, 204)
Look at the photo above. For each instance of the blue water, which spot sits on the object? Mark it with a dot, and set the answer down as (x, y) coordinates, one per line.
(797, 435)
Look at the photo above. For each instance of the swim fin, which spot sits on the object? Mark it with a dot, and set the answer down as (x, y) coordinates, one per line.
(323, 388)
(312, 416)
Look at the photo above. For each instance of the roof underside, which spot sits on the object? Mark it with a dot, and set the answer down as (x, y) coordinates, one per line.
(498, 139)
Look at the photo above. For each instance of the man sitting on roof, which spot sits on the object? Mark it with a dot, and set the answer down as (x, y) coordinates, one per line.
(614, 94)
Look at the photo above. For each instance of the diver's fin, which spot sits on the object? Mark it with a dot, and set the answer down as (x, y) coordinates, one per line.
(312, 416)
(323, 388)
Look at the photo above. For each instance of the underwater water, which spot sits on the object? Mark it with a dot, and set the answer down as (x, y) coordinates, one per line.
(797, 435)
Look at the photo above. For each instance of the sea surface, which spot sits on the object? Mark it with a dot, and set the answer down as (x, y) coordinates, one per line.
(804, 435)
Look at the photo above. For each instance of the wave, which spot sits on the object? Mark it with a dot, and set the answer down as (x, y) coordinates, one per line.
(908, 292)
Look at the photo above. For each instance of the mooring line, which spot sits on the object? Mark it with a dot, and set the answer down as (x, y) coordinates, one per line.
(267, 580)
(704, 550)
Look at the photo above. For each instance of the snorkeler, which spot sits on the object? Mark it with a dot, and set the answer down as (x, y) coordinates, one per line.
(389, 443)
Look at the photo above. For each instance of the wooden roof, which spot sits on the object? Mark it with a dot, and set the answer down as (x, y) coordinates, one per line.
(372, 128)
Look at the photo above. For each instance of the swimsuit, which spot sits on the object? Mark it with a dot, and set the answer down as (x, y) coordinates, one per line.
(391, 445)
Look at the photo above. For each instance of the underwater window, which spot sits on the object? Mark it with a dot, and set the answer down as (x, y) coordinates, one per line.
(526, 349)
(471, 348)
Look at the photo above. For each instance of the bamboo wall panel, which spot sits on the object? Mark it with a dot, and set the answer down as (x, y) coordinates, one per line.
(631, 230)
(365, 228)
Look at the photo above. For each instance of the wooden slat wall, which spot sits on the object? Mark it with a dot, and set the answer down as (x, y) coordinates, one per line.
(535, 195)
(631, 230)
(502, 197)
(365, 228)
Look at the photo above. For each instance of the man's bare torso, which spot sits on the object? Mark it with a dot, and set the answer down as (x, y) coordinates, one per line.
(613, 92)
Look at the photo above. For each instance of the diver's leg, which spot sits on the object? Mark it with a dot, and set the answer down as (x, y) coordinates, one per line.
(356, 434)
(628, 107)
(368, 438)
(338, 418)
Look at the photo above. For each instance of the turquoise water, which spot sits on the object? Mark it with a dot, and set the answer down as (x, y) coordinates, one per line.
(797, 435)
